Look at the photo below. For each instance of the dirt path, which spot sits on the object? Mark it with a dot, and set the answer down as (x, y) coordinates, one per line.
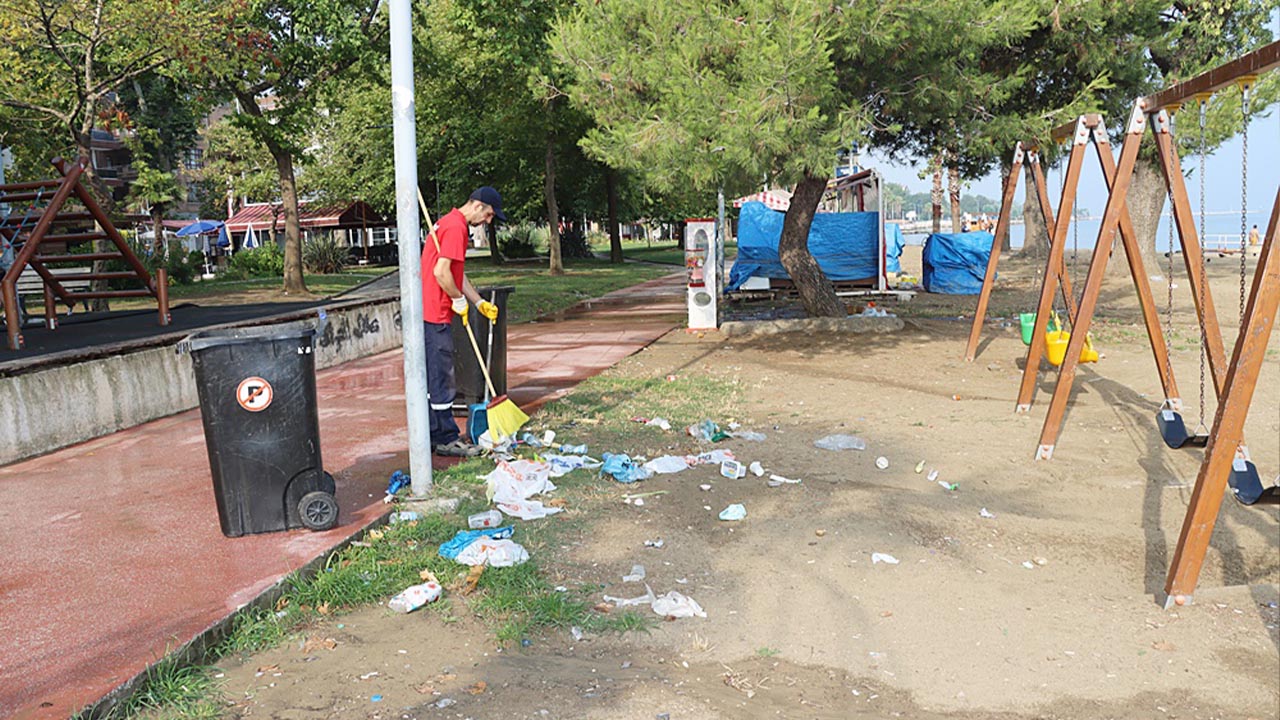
(1045, 610)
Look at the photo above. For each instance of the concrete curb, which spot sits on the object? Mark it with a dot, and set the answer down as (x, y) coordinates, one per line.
(856, 325)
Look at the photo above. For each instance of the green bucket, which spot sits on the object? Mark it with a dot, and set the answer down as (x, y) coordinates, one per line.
(1028, 326)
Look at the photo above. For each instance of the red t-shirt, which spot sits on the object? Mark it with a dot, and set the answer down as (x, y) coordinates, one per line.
(453, 234)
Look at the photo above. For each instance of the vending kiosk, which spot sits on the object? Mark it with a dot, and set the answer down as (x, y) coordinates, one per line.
(703, 262)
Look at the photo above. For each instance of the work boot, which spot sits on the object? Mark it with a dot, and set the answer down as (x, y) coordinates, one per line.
(458, 448)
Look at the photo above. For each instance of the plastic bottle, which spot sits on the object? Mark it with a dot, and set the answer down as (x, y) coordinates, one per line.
(414, 597)
(404, 516)
(487, 519)
(573, 449)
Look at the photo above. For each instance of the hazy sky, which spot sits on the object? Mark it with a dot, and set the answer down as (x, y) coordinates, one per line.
(1222, 187)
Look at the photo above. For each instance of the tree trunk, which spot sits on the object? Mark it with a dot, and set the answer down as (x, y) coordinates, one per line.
(553, 211)
(293, 282)
(102, 193)
(615, 236)
(158, 245)
(1035, 236)
(935, 194)
(953, 188)
(494, 255)
(1146, 202)
(816, 293)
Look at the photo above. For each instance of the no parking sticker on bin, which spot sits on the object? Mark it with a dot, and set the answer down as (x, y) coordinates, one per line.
(253, 394)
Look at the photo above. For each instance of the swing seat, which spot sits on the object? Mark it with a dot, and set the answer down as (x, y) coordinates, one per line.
(1174, 431)
(1056, 348)
(1246, 486)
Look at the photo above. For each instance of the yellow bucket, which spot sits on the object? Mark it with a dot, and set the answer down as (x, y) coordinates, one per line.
(1056, 347)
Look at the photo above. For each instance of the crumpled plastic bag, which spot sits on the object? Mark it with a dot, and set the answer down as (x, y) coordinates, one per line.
(673, 604)
(414, 597)
(661, 423)
(751, 435)
(646, 599)
(623, 469)
(494, 553)
(525, 509)
(713, 457)
(667, 464)
(450, 549)
(565, 464)
(518, 480)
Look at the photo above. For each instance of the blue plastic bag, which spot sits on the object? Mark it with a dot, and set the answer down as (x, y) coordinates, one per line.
(622, 468)
(450, 550)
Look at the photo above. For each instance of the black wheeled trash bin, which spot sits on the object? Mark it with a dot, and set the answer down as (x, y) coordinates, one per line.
(257, 388)
(466, 371)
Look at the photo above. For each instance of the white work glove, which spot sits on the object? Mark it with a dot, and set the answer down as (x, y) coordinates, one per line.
(460, 306)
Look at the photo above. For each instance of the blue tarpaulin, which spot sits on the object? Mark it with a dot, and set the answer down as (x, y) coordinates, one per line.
(956, 263)
(846, 245)
(893, 243)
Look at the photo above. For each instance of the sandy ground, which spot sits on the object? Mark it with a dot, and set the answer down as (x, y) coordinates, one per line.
(1046, 610)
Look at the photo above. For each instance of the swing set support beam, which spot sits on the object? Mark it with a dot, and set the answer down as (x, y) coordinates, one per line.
(1227, 433)
(1116, 218)
(1002, 225)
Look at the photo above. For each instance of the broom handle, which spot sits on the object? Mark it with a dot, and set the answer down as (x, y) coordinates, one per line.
(422, 204)
(488, 351)
(475, 346)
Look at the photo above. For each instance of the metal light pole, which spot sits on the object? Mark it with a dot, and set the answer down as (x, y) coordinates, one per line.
(408, 235)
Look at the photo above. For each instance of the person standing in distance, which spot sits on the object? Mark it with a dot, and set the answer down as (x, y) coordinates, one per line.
(446, 291)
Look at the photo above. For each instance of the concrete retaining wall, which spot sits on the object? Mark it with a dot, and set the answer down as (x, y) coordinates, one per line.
(60, 401)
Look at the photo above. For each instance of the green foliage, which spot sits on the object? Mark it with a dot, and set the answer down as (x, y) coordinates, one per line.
(172, 690)
(264, 261)
(324, 255)
(237, 161)
(517, 241)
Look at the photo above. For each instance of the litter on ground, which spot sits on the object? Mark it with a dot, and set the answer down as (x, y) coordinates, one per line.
(735, 511)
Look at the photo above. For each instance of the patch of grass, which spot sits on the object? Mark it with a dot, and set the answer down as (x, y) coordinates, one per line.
(258, 629)
(604, 406)
(319, 285)
(767, 652)
(171, 690)
(538, 292)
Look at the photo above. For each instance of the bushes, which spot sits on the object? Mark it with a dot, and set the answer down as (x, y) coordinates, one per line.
(265, 261)
(573, 245)
(324, 256)
(183, 266)
(518, 241)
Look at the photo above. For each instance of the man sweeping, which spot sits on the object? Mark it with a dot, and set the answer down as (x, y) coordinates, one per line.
(445, 290)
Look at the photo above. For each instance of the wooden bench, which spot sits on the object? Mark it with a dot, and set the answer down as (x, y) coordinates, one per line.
(30, 282)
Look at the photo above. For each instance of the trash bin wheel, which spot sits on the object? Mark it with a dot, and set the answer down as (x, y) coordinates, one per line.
(318, 510)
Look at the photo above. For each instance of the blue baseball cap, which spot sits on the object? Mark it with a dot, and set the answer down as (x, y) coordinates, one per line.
(490, 197)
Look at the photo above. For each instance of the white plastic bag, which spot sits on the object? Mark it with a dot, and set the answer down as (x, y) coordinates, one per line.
(673, 604)
(414, 597)
(667, 464)
(494, 553)
(518, 480)
(525, 509)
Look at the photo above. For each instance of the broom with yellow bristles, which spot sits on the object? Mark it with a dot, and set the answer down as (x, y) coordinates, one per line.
(504, 417)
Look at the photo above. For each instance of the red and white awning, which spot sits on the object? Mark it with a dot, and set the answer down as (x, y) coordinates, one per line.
(778, 200)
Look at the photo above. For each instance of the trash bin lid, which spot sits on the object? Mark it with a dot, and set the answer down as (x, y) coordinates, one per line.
(245, 335)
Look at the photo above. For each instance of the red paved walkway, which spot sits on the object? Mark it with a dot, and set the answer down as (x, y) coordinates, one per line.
(112, 553)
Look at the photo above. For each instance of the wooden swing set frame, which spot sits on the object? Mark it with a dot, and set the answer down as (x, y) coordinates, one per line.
(1234, 378)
